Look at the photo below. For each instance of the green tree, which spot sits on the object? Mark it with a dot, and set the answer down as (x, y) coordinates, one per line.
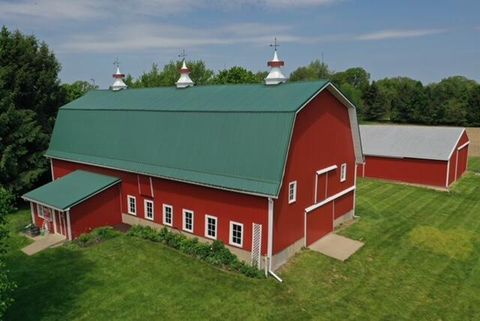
(450, 98)
(314, 71)
(356, 77)
(410, 103)
(29, 74)
(22, 143)
(237, 75)
(77, 89)
(375, 103)
(355, 96)
(473, 107)
(6, 286)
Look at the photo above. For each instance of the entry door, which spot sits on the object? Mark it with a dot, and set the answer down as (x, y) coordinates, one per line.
(61, 223)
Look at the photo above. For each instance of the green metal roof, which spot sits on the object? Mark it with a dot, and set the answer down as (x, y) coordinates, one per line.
(71, 189)
(233, 137)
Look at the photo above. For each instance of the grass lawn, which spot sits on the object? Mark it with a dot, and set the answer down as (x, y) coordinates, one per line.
(421, 261)
(474, 164)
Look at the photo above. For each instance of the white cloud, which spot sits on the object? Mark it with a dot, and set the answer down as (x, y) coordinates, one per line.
(396, 34)
(92, 9)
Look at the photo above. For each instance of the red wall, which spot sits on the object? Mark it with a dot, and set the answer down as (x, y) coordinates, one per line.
(226, 206)
(322, 137)
(418, 171)
(409, 170)
(319, 222)
(100, 210)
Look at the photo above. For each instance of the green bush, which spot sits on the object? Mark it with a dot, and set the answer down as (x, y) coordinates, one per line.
(215, 253)
(96, 236)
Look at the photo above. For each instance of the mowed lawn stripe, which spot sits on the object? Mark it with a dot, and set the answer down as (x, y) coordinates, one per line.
(409, 269)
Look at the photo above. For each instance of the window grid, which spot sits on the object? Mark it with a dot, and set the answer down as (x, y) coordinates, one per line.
(188, 220)
(236, 234)
(149, 209)
(132, 205)
(211, 227)
(167, 215)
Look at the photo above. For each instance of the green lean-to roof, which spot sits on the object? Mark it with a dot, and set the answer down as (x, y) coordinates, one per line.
(71, 189)
(233, 137)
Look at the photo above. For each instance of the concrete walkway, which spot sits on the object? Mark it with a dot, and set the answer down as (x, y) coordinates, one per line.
(336, 246)
(43, 242)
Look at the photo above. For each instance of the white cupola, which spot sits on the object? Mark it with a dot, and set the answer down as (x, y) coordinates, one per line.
(118, 84)
(275, 76)
(184, 81)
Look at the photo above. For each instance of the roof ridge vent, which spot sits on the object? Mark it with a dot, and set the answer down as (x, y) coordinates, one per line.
(118, 84)
(275, 76)
(184, 81)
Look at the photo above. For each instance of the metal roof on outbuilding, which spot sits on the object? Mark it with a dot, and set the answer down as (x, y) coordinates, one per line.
(423, 142)
(233, 137)
(71, 189)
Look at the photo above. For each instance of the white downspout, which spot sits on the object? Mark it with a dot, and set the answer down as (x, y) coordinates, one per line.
(270, 240)
(33, 214)
(69, 227)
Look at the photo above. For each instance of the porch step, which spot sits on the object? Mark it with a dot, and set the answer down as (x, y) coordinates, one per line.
(44, 242)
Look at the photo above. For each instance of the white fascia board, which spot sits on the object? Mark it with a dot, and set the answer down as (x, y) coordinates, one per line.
(327, 169)
(331, 198)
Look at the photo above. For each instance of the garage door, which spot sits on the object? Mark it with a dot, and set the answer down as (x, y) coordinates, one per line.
(319, 223)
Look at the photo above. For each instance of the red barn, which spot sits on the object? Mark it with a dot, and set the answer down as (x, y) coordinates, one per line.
(431, 156)
(265, 169)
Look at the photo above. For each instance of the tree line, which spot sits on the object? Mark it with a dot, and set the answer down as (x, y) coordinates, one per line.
(31, 93)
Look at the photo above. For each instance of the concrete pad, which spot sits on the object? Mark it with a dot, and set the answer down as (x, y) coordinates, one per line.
(43, 242)
(336, 246)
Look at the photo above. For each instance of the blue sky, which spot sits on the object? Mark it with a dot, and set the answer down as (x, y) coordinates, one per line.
(422, 39)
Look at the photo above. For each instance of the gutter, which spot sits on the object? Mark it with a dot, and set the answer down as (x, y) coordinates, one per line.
(270, 240)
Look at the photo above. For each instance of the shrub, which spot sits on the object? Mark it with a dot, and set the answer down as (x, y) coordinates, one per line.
(96, 236)
(215, 253)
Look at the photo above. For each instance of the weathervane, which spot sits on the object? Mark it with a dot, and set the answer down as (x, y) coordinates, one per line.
(275, 43)
(182, 54)
(116, 62)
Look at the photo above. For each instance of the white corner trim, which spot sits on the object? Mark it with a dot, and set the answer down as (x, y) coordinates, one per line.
(151, 186)
(327, 169)
(448, 173)
(51, 170)
(231, 234)
(206, 226)
(331, 198)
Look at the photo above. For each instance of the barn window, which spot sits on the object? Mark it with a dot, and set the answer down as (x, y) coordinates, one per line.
(292, 192)
(211, 227)
(149, 210)
(236, 234)
(188, 220)
(167, 214)
(343, 172)
(132, 205)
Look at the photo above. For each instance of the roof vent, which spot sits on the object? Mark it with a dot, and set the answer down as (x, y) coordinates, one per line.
(184, 81)
(118, 84)
(275, 75)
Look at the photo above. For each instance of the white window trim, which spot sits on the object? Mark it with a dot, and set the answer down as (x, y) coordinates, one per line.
(165, 206)
(130, 197)
(294, 199)
(184, 220)
(206, 227)
(145, 210)
(231, 234)
(343, 172)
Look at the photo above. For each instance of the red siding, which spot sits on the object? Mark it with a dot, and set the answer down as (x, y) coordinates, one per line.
(459, 158)
(343, 205)
(319, 223)
(226, 206)
(100, 210)
(409, 170)
(322, 137)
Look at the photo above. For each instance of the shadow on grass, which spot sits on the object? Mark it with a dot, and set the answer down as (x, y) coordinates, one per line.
(47, 283)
